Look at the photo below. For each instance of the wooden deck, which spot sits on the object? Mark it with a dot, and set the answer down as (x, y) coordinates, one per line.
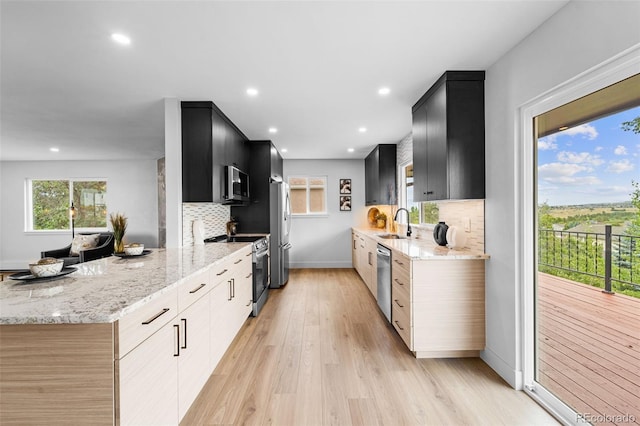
(589, 349)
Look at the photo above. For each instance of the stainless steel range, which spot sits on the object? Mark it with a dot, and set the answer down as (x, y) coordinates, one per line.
(260, 259)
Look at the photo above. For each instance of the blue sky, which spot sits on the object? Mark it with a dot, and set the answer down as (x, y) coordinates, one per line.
(590, 163)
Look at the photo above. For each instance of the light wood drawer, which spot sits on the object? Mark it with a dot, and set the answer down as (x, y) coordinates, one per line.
(400, 280)
(401, 305)
(137, 326)
(402, 323)
(400, 263)
(193, 288)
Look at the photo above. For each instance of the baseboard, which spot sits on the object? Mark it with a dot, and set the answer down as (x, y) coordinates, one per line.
(504, 370)
(320, 264)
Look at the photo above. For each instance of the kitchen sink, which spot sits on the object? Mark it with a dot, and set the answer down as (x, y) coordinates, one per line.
(390, 236)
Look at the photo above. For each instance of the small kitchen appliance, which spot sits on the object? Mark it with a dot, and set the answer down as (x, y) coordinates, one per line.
(440, 233)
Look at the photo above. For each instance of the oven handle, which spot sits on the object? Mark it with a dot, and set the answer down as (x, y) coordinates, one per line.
(263, 253)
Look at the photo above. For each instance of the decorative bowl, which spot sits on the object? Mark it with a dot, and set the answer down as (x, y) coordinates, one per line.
(134, 249)
(46, 267)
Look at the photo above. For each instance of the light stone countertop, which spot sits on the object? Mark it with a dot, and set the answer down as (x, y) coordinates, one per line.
(104, 290)
(421, 248)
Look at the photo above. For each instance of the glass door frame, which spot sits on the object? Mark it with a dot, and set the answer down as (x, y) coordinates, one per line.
(621, 66)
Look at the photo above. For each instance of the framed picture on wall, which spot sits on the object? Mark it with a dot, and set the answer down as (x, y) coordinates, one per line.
(345, 186)
(345, 203)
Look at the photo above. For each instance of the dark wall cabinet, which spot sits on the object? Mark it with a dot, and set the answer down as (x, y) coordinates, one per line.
(210, 141)
(265, 163)
(448, 139)
(380, 175)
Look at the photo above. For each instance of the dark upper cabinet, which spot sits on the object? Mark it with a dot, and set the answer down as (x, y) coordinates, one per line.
(448, 139)
(210, 141)
(380, 175)
(265, 163)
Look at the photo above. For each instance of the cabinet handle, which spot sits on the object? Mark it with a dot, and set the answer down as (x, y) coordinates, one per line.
(249, 302)
(237, 261)
(230, 297)
(398, 303)
(197, 288)
(220, 273)
(429, 192)
(399, 282)
(354, 244)
(184, 322)
(369, 258)
(176, 327)
(248, 254)
(249, 276)
(398, 262)
(398, 324)
(233, 287)
(156, 316)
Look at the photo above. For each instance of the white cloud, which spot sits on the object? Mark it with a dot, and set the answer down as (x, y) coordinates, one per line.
(575, 180)
(586, 130)
(564, 174)
(547, 144)
(620, 150)
(598, 148)
(620, 166)
(580, 158)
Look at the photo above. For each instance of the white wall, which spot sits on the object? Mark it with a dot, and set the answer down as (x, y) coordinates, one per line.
(325, 242)
(131, 189)
(580, 36)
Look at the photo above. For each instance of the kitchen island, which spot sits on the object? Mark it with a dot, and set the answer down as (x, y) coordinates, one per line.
(435, 295)
(121, 340)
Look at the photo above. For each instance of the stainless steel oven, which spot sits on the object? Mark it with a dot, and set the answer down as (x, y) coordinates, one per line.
(260, 260)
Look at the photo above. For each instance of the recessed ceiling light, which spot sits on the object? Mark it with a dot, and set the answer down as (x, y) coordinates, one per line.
(54, 149)
(350, 149)
(121, 39)
(273, 130)
(284, 150)
(252, 91)
(384, 91)
(563, 128)
(362, 129)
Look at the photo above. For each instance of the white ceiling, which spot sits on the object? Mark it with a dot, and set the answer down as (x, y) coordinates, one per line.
(318, 67)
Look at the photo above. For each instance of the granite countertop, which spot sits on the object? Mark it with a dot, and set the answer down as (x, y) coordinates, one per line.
(421, 248)
(104, 290)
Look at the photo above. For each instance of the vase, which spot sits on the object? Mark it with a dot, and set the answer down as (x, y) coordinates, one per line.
(118, 245)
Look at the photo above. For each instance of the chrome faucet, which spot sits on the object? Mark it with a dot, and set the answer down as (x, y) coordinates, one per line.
(395, 218)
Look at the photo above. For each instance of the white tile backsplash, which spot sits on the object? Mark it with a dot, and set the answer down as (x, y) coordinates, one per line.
(214, 218)
(455, 212)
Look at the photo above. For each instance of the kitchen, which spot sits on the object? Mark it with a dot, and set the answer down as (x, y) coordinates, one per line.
(325, 242)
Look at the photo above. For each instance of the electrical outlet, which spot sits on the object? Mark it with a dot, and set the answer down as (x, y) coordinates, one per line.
(467, 224)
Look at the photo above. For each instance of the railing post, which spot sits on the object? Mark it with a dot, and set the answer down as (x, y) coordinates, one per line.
(607, 259)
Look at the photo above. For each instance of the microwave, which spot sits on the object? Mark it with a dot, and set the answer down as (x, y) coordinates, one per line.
(236, 189)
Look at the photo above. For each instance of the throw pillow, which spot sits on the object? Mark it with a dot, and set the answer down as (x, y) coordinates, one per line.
(83, 242)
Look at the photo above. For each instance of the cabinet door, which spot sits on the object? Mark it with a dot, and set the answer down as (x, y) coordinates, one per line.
(436, 137)
(148, 378)
(193, 361)
(371, 184)
(221, 333)
(419, 131)
(197, 152)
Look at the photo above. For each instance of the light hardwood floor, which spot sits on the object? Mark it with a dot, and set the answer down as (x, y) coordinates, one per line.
(321, 353)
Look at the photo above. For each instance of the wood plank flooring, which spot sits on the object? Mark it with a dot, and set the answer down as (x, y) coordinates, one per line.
(321, 353)
(589, 347)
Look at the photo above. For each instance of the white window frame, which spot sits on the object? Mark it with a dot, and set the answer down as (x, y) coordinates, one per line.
(29, 206)
(308, 187)
(610, 72)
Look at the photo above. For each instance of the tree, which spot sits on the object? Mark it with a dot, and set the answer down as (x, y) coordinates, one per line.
(634, 229)
(545, 220)
(632, 126)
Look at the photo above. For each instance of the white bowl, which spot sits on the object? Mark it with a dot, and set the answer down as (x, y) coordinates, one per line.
(46, 269)
(133, 250)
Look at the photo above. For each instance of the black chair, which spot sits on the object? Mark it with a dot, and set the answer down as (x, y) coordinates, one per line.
(103, 249)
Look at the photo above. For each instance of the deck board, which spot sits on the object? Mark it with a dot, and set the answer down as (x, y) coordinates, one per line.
(589, 348)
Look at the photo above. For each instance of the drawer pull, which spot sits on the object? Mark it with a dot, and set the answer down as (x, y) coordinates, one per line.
(184, 321)
(398, 324)
(249, 276)
(176, 327)
(237, 261)
(398, 262)
(220, 273)
(249, 302)
(156, 316)
(248, 254)
(398, 303)
(396, 280)
(197, 288)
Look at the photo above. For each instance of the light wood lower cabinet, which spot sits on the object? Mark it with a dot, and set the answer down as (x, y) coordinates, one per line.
(438, 306)
(364, 257)
(145, 369)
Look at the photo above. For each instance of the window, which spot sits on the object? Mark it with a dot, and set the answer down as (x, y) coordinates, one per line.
(308, 195)
(419, 212)
(50, 200)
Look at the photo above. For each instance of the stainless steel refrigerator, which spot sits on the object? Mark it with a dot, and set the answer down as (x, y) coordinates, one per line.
(280, 228)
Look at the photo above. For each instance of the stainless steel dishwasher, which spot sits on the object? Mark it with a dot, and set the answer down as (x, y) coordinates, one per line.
(384, 280)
